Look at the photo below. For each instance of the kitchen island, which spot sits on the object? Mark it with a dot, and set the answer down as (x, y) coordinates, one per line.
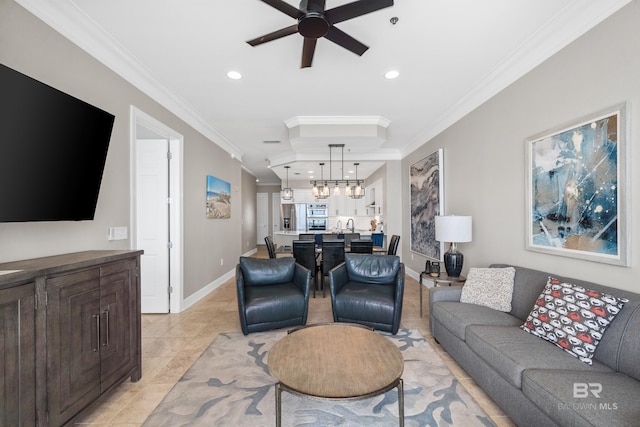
(286, 238)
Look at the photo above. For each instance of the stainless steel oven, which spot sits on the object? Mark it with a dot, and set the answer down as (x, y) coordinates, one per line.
(316, 210)
(316, 224)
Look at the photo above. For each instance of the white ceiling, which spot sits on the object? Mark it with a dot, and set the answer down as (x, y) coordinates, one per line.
(452, 56)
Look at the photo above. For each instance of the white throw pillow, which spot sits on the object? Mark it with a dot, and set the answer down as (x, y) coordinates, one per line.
(491, 287)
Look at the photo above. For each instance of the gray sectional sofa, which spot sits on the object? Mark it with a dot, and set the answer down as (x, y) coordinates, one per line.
(534, 381)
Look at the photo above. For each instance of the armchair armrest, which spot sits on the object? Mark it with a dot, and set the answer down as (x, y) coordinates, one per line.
(337, 278)
(241, 299)
(302, 279)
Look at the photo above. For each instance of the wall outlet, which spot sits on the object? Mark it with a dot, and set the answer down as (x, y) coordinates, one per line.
(118, 233)
(221, 261)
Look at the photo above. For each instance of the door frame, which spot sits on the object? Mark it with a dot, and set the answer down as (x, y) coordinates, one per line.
(176, 144)
(258, 213)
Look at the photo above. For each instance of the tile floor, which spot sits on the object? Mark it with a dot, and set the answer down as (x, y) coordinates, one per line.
(172, 342)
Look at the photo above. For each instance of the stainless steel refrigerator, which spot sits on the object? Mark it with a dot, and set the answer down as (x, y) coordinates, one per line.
(293, 217)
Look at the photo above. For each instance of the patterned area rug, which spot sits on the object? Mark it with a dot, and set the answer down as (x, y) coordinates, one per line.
(230, 385)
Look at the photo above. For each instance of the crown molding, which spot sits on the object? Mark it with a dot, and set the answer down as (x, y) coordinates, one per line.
(569, 24)
(67, 19)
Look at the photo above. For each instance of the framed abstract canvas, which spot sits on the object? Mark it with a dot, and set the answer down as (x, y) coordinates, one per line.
(577, 189)
(427, 202)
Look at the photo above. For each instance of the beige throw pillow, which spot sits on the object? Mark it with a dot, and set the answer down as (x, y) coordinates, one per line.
(490, 287)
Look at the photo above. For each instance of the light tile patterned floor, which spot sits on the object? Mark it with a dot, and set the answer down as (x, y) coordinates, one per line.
(172, 342)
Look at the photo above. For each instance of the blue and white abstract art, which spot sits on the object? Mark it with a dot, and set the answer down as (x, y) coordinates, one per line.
(575, 190)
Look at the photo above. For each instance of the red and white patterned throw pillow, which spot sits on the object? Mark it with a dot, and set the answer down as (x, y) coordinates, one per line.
(572, 317)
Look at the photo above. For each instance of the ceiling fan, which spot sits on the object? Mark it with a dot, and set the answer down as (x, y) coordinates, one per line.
(315, 22)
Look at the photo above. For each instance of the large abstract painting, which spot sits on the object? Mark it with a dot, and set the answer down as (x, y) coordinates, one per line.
(427, 202)
(218, 198)
(577, 188)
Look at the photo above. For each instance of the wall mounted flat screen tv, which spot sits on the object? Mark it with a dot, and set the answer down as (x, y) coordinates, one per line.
(53, 149)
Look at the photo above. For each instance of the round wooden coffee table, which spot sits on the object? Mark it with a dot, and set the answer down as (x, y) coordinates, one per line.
(356, 363)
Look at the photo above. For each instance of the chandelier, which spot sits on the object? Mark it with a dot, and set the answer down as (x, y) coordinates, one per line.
(353, 188)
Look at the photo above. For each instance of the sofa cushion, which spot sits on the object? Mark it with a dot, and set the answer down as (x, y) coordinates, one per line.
(364, 302)
(510, 351)
(262, 272)
(572, 317)
(579, 398)
(491, 287)
(456, 316)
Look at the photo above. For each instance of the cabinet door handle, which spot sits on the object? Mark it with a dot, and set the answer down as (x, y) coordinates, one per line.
(97, 319)
(106, 318)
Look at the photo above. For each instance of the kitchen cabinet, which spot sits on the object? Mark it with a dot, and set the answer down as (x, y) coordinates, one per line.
(70, 329)
(17, 360)
(345, 206)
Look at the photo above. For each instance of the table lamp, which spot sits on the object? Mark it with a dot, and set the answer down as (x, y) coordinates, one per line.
(453, 229)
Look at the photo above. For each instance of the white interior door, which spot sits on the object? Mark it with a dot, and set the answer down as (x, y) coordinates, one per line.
(262, 217)
(156, 211)
(152, 219)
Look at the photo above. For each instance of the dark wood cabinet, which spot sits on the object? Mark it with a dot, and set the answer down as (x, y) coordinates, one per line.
(84, 311)
(17, 357)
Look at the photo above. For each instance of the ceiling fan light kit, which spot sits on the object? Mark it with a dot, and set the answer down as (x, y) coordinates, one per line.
(314, 22)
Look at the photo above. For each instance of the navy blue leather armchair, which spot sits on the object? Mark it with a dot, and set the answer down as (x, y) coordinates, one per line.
(272, 293)
(368, 289)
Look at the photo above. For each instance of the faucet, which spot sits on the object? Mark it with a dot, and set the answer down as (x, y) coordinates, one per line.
(350, 220)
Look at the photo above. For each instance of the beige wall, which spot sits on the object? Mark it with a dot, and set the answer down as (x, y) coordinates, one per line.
(484, 153)
(249, 190)
(33, 48)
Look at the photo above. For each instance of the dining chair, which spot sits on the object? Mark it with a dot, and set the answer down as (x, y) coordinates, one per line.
(349, 237)
(329, 236)
(304, 251)
(332, 256)
(270, 246)
(393, 244)
(361, 247)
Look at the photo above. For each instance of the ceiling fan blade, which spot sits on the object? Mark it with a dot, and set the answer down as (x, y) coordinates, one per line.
(354, 9)
(286, 8)
(275, 35)
(343, 39)
(308, 49)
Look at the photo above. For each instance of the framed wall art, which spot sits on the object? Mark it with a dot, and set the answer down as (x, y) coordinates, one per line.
(577, 189)
(427, 202)
(218, 198)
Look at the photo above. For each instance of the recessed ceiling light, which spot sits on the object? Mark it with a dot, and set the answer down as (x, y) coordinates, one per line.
(234, 75)
(390, 75)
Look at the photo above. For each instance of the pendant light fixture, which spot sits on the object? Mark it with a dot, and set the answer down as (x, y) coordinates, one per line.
(287, 192)
(356, 191)
(321, 190)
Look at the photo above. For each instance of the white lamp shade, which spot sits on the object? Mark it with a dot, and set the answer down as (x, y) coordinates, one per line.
(453, 228)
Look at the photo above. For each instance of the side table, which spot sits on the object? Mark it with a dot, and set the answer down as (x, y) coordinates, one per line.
(442, 278)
